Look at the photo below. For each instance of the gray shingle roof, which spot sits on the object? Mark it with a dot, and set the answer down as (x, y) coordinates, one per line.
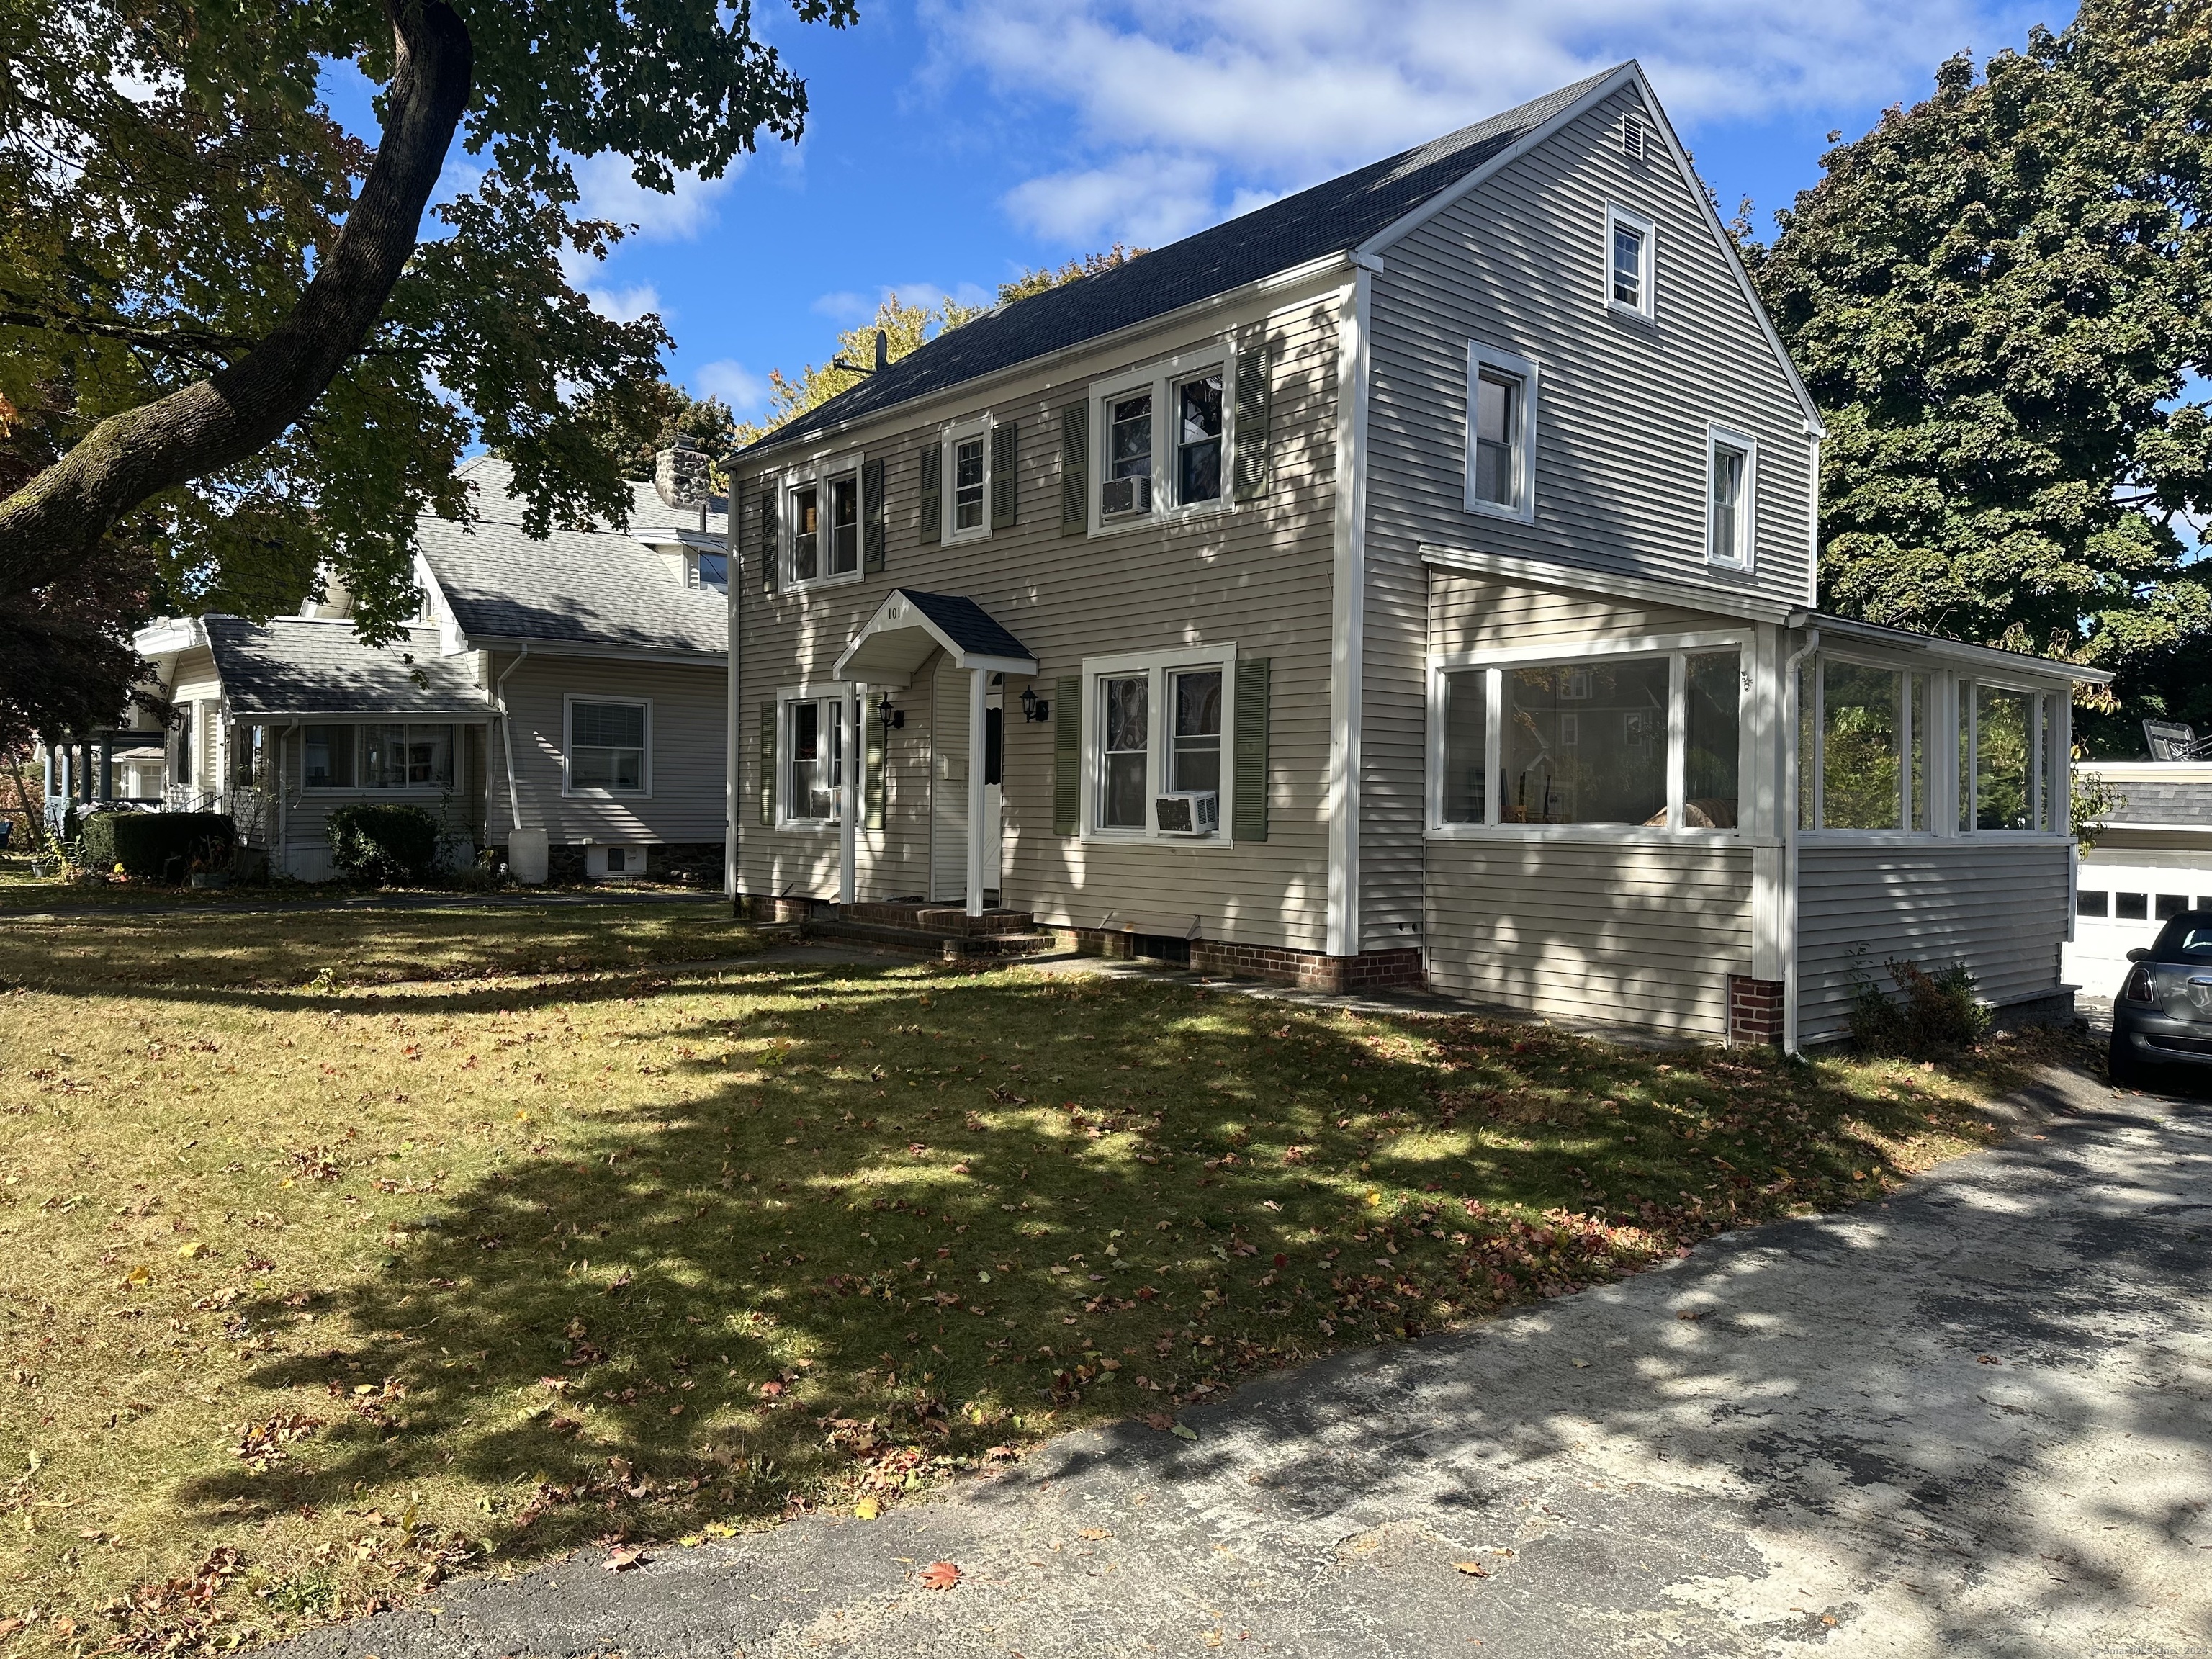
(576, 588)
(291, 665)
(2183, 804)
(1329, 218)
(966, 624)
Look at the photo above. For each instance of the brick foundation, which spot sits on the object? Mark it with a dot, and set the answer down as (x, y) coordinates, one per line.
(1310, 970)
(1754, 1010)
(766, 906)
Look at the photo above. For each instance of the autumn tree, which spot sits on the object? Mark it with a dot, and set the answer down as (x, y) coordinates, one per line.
(229, 352)
(2001, 300)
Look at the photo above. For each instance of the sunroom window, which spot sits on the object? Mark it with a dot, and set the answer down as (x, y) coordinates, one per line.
(1863, 735)
(1647, 740)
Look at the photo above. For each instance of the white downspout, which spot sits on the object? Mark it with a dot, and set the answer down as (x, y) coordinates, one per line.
(979, 683)
(1790, 721)
(507, 737)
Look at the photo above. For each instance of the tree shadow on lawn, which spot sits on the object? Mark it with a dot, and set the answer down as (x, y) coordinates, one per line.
(936, 1213)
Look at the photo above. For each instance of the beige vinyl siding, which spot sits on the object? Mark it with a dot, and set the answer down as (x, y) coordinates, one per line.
(194, 681)
(1620, 451)
(1633, 934)
(305, 850)
(1998, 907)
(948, 783)
(1637, 935)
(1256, 574)
(687, 752)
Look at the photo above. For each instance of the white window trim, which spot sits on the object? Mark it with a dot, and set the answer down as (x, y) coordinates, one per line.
(1673, 647)
(568, 747)
(819, 474)
(1157, 664)
(1160, 379)
(1746, 511)
(1647, 285)
(814, 692)
(420, 790)
(1945, 687)
(948, 445)
(1479, 356)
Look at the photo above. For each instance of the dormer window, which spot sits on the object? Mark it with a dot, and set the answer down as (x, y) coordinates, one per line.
(711, 571)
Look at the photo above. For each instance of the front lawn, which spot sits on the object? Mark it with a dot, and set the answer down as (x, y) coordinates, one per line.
(317, 1288)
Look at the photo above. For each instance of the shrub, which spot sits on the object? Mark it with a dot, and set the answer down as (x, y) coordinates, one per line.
(384, 843)
(157, 846)
(1931, 1014)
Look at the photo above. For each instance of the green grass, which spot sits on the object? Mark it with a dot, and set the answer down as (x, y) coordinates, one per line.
(311, 1296)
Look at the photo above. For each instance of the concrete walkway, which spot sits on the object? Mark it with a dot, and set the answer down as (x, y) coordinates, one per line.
(1976, 1420)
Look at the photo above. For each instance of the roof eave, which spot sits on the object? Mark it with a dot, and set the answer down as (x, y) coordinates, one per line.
(1905, 638)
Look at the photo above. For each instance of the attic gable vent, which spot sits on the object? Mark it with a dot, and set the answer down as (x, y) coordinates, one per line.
(1635, 136)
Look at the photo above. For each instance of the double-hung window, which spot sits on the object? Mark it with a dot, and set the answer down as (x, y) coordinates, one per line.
(1153, 726)
(608, 746)
(1630, 241)
(823, 534)
(1501, 425)
(1650, 739)
(967, 473)
(814, 740)
(1730, 521)
(1163, 438)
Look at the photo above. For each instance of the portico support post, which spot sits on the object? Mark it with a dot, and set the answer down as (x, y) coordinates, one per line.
(854, 747)
(979, 684)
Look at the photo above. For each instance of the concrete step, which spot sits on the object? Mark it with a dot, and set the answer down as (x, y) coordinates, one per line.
(941, 919)
(928, 942)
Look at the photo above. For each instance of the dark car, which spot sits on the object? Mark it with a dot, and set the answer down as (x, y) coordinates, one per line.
(2163, 1014)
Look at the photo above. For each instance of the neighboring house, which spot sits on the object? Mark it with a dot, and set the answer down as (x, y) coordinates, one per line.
(2151, 859)
(575, 685)
(1408, 582)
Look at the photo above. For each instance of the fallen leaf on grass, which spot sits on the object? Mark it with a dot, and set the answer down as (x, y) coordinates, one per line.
(938, 1575)
(193, 1251)
(1473, 1568)
(8, 1627)
(624, 1560)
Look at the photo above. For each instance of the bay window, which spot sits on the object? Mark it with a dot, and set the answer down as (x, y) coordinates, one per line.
(1645, 740)
(1153, 726)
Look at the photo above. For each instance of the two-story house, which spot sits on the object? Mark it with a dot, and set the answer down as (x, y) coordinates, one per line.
(561, 699)
(1409, 581)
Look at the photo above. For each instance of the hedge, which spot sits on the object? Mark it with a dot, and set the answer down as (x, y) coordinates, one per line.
(384, 843)
(157, 846)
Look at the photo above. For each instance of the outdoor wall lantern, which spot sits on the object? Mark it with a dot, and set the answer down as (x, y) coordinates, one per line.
(1033, 708)
(894, 720)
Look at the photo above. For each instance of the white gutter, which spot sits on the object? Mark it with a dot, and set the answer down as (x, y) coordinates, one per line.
(1788, 805)
(507, 737)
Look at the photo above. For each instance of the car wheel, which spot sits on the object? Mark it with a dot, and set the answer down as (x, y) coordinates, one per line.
(2123, 1066)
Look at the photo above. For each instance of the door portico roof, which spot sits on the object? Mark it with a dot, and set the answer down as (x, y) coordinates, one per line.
(909, 625)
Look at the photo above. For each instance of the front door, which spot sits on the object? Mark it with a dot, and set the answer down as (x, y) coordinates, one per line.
(995, 748)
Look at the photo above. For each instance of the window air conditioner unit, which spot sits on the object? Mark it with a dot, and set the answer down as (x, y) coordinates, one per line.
(1121, 495)
(1188, 813)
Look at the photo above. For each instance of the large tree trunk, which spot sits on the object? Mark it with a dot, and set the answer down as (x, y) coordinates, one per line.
(50, 527)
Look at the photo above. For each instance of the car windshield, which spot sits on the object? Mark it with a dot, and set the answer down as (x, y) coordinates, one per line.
(2187, 938)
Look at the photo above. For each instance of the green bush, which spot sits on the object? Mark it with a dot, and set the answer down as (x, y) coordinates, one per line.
(157, 846)
(382, 843)
(1931, 1014)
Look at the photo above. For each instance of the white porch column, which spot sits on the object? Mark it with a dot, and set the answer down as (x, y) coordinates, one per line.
(852, 760)
(979, 685)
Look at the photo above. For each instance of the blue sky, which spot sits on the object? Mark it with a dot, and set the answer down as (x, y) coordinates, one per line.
(951, 142)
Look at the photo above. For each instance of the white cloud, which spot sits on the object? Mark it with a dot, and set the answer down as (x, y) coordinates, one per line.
(734, 383)
(624, 304)
(1173, 102)
(606, 190)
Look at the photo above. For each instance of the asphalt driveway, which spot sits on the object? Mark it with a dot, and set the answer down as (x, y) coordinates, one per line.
(1976, 1420)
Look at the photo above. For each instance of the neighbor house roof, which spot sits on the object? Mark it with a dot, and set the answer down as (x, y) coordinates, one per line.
(293, 665)
(600, 588)
(1331, 218)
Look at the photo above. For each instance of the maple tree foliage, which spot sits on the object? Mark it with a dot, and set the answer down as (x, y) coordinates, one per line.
(232, 353)
(1999, 298)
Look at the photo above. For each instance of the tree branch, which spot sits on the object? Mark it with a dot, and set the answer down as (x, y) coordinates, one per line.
(50, 527)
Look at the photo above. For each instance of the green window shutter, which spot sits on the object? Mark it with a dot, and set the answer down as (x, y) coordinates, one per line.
(871, 777)
(1006, 459)
(933, 495)
(1255, 379)
(871, 514)
(1248, 808)
(1067, 756)
(771, 560)
(1075, 470)
(767, 764)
